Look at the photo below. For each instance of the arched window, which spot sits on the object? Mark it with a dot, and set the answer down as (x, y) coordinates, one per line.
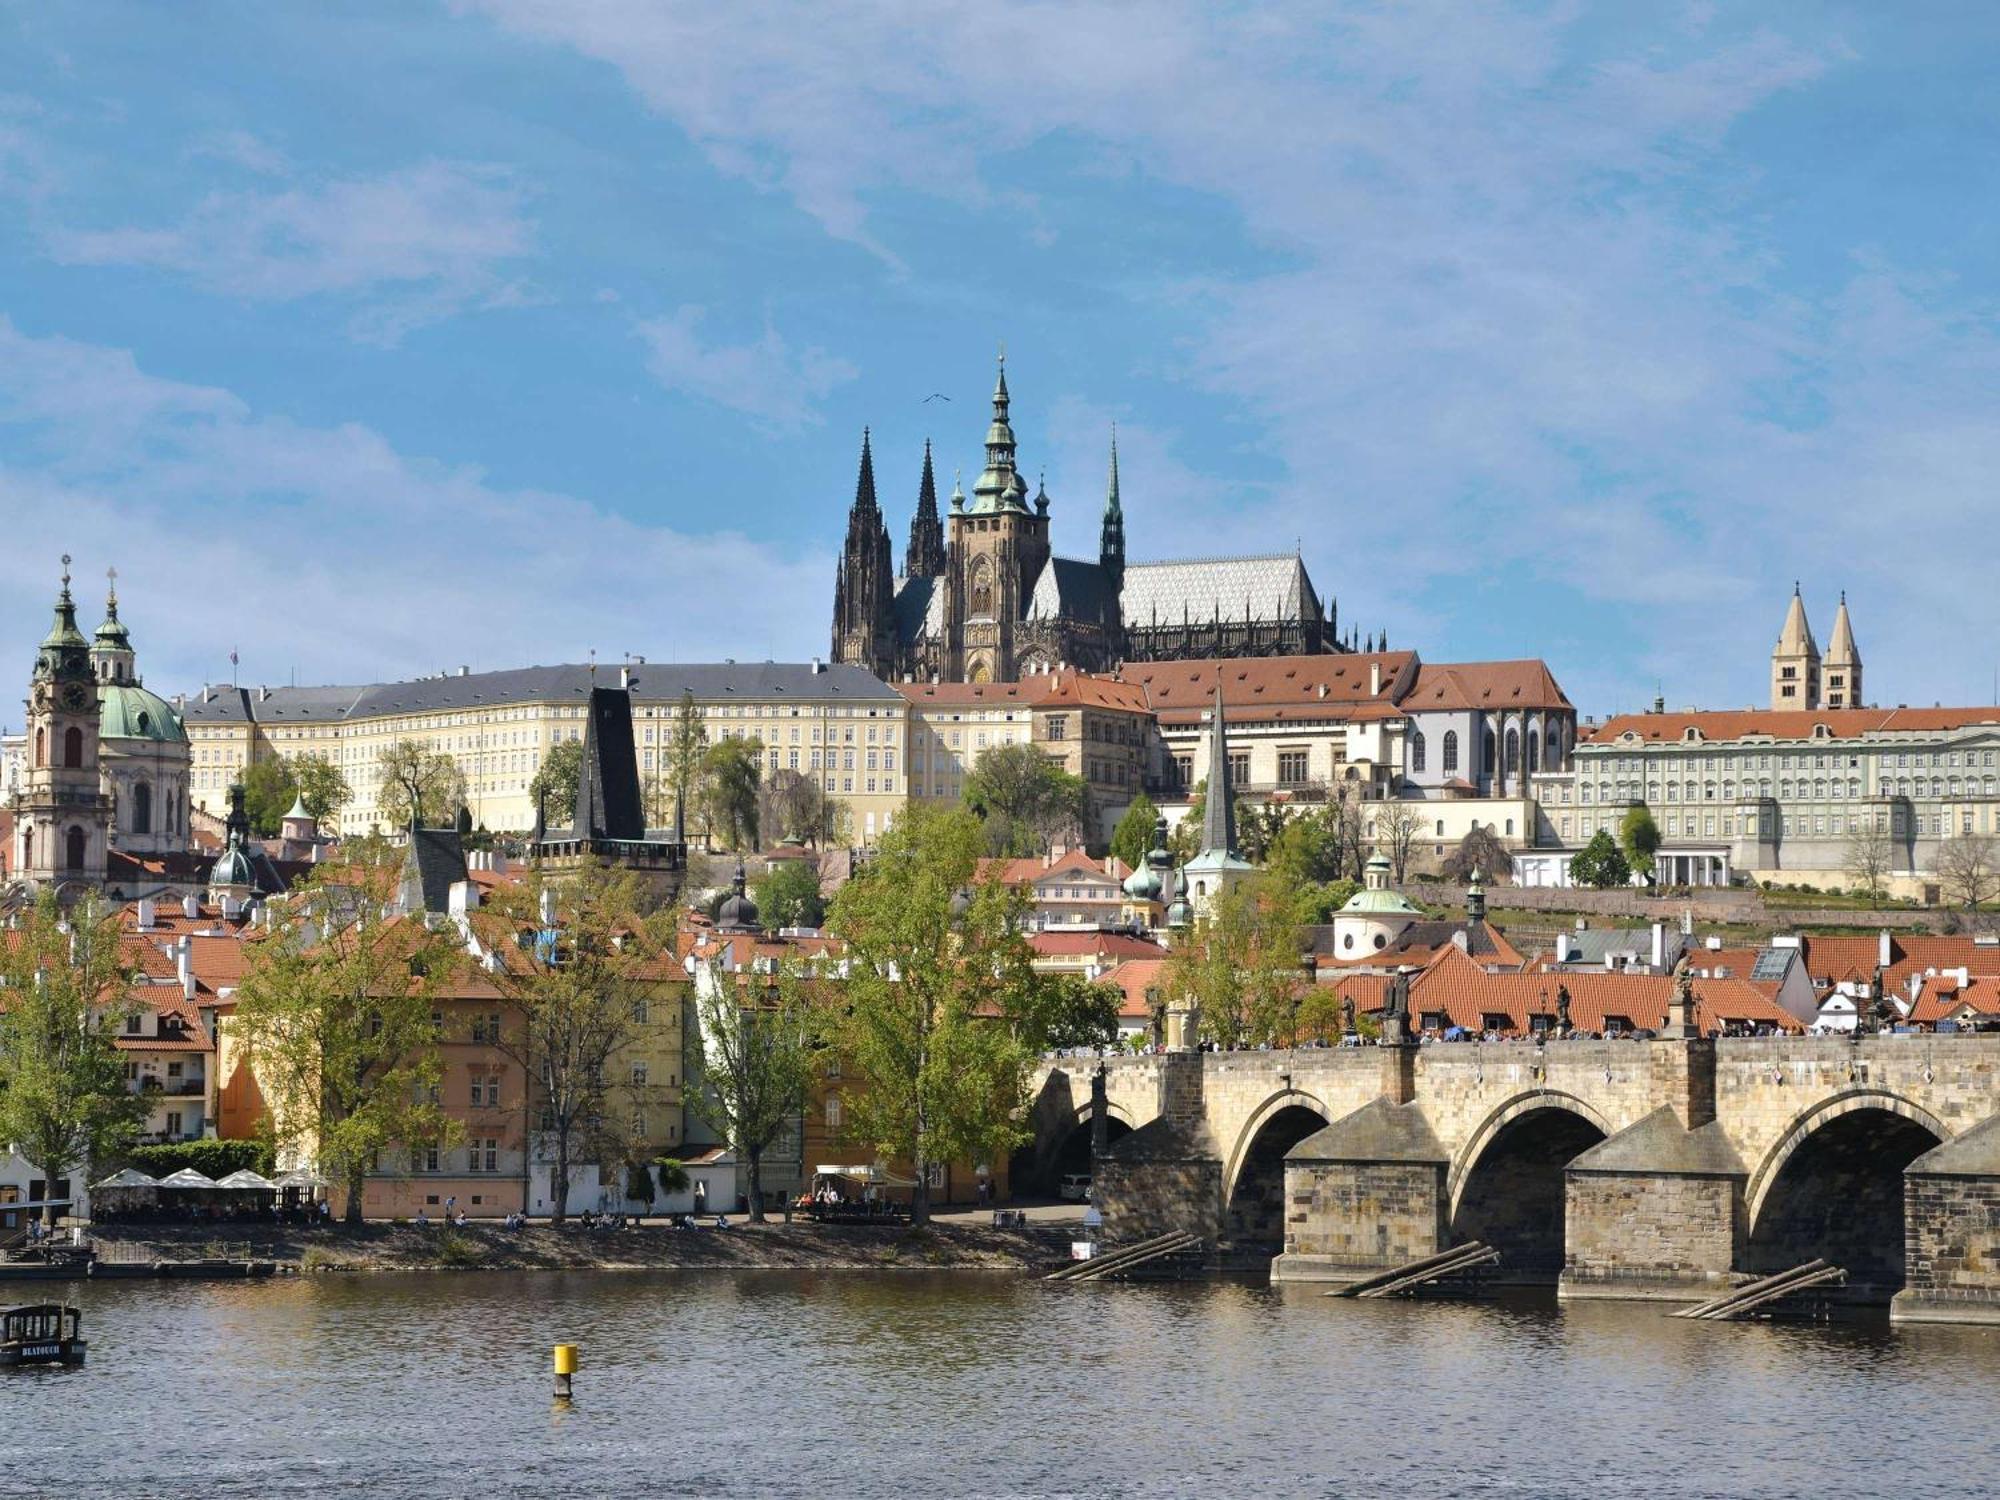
(27, 848)
(1534, 751)
(1486, 758)
(73, 746)
(1513, 751)
(142, 808)
(981, 593)
(74, 847)
(1416, 750)
(1450, 751)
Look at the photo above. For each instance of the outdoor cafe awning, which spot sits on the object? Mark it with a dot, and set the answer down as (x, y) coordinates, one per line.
(245, 1180)
(130, 1177)
(187, 1177)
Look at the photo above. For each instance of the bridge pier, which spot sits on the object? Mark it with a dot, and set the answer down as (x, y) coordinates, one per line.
(1656, 1210)
(1167, 1174)
(1366, 1194)
(1951, 1227)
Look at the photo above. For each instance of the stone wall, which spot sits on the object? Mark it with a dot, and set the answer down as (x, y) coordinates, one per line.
(1641, 1234)
(1952, 1239)
(1710, 904)
(1346, 1220)
(1140, 1200)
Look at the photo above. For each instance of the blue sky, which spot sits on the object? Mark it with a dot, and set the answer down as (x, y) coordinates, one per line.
(372, 340)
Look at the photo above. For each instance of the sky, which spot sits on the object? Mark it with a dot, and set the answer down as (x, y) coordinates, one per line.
(371, 340)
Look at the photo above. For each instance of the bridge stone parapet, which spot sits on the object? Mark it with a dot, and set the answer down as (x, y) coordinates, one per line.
(1655, 1168)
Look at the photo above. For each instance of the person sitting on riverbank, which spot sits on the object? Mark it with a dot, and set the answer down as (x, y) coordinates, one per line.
(423, 1218)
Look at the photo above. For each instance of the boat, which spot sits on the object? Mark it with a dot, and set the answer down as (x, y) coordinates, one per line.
(41, 1333)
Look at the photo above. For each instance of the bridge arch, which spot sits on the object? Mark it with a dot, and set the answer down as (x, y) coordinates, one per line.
(1507, 1189)
(1253, 1179)
(1832, 1187)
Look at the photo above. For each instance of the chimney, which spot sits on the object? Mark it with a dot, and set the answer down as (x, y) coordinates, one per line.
(229, 908)
(548, 907)
(1659, 947)
(190, 906)
(1374, 678)
(464, 671)
(263, 694)
(184, 965)
(1564, 947)
(625, 677)
(464, 898)
(499, 862)
(146, 913)
(1882, 954)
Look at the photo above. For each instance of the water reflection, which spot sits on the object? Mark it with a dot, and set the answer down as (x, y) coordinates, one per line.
(779, 1383)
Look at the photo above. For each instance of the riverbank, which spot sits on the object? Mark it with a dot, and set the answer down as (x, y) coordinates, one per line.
(952, 1245)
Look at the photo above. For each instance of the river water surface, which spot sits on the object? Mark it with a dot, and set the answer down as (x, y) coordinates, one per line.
(782, 1384)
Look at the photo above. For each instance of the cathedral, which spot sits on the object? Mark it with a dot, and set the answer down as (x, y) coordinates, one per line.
(982, 598)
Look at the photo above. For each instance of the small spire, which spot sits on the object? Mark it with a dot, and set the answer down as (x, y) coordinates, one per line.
(111, 593)
(65, 578)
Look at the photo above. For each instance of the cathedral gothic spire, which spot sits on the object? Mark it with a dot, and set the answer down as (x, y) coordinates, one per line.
(1111, 536)
(925, 557)
(864, 595)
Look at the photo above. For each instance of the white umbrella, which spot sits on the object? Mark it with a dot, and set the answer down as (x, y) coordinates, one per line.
(301, 1177)
(245, 1179)
(131, 1177)
(187, 1177)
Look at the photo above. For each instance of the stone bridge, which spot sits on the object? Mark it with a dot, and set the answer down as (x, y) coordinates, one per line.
(1665, 1168)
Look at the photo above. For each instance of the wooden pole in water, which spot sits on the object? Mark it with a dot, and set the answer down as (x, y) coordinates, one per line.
(565, 1361)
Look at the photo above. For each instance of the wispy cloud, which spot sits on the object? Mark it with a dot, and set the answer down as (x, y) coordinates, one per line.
(412, 245)
(240, 148)
(1520, 318)
(765, 379)
(350, 558)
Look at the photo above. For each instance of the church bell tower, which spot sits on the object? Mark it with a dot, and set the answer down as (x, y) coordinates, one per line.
(62, 818)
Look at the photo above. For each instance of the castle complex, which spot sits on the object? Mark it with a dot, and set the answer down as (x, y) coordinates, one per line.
(982, 598)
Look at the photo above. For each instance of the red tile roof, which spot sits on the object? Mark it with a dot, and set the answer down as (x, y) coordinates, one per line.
(1297, 688)
(1831, 961)
(1052, 690)
(1134, 978)
(1484, 685)
(1056, 943)
(1943, 999)
(1788, 723)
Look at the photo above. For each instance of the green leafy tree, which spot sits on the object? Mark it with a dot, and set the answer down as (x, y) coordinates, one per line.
(1241, 966)
(731, 772)
(1184, 842)
(268, 789)
(578, 992)
(788, 896)
(63, 1099)
(938, 985)
(1639, 838)
(676, 783)
(1025, 800)
(752, 1064)
(335, 1016)
(416, 784)
(553, 788)
(1070, 1012)
(322, 786)
(1600, 863)
(1132, 839)
(1259, 826)
(1871, 857)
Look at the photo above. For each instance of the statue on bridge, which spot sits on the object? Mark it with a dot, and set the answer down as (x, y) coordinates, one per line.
(1347, 1027)
(1396, 1009)
(1563, 1024)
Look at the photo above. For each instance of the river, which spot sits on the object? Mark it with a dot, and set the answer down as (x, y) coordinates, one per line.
(779, 1384)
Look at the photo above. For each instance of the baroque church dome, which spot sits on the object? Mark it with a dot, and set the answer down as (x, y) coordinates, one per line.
(129, 712)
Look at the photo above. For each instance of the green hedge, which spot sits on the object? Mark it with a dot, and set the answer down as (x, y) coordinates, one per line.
(210, 1158)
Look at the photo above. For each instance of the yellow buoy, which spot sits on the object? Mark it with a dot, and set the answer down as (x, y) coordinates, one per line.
(565, 1368)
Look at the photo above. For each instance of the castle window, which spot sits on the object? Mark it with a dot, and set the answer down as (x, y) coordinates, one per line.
(1450, 751)
(73, 747)
(142, 808)
(74, 847)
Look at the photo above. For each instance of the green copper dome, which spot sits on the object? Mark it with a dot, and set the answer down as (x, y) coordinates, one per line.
(129, 712)
(1380, 903)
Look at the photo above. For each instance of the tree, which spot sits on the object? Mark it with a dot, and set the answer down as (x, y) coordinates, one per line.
(416, 784)
(1397, 827)
(1259, 827)
(731, 771)
(1871, 855)
(579, 987)
(1600, 863)
(1241, 966)
(63, 1099)
(553, 788)
(789, 896)
(1071, 1012)
(753, 1063)
(1639, 838)
(1319, 1016)
(322, 785)
(1479, 853)
(793, 805)
(1968, 871)
(1132, 839)
(268, 789)
(1025, 800)
(336, 1018)
(673, 792)
(1184, 842)
(939, 984)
